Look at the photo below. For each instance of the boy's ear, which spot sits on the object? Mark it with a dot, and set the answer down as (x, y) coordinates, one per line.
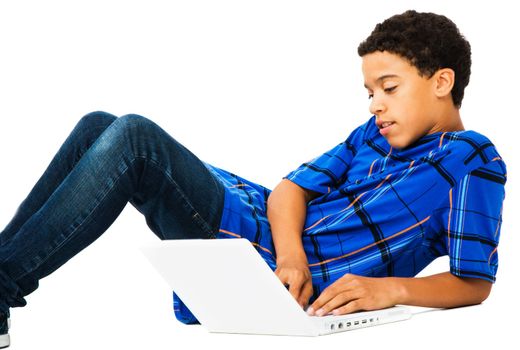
(444, 79)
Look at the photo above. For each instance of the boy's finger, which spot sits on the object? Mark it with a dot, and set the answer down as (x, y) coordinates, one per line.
(295, 288)
(306, 294)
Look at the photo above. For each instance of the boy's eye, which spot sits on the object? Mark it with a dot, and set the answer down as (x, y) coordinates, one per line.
(390, 89)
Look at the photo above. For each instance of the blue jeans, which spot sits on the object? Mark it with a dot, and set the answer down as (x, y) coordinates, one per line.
(104, 163)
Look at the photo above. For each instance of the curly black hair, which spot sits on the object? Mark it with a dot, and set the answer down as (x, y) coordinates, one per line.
(428, 41)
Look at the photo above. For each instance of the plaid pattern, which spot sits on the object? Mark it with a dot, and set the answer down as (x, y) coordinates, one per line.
(383, 211)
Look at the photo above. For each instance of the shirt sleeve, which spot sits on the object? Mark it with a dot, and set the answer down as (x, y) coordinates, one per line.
(471, 220)
(329, 170)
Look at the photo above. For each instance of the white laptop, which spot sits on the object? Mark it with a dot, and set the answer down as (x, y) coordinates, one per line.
(229, 288)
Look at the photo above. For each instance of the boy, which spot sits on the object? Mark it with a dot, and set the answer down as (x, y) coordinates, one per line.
(351, 227)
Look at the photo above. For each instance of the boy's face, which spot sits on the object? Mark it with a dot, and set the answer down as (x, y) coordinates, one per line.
(399, 95)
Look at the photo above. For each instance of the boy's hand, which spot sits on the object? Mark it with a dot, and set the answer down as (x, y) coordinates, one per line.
(352, 293)
(295, 272)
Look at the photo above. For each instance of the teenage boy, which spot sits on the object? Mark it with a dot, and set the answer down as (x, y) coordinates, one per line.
(345, 231)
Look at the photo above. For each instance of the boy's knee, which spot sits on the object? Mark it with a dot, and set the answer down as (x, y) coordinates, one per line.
(98, 116)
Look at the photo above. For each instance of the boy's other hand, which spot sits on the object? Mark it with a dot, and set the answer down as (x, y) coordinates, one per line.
(352, 293)
(295, 273)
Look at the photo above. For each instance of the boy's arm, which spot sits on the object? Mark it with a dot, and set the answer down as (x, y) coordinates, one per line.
(443, 290)
(353, 293)
(286, 212)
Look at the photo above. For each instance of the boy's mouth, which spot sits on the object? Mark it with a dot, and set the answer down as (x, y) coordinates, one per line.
(383, 124)
(384, 127)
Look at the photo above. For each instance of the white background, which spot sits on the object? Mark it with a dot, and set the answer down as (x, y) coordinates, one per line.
(254, 87)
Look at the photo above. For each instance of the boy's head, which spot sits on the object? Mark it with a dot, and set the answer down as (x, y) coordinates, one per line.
(416, 66)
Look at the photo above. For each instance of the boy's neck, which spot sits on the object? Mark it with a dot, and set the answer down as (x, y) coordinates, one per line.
(450, 120)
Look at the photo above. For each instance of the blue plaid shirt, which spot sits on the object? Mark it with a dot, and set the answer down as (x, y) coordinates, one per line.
(383, 211)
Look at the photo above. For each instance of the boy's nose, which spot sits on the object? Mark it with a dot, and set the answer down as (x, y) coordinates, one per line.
(376, 107)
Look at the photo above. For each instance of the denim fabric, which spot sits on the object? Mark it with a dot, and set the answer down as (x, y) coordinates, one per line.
(105, 162)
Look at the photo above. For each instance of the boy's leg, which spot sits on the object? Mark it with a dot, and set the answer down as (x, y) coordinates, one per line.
(133, 160)
(86, 131)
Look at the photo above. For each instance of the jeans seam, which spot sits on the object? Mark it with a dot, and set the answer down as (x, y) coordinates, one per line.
(220, 212)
